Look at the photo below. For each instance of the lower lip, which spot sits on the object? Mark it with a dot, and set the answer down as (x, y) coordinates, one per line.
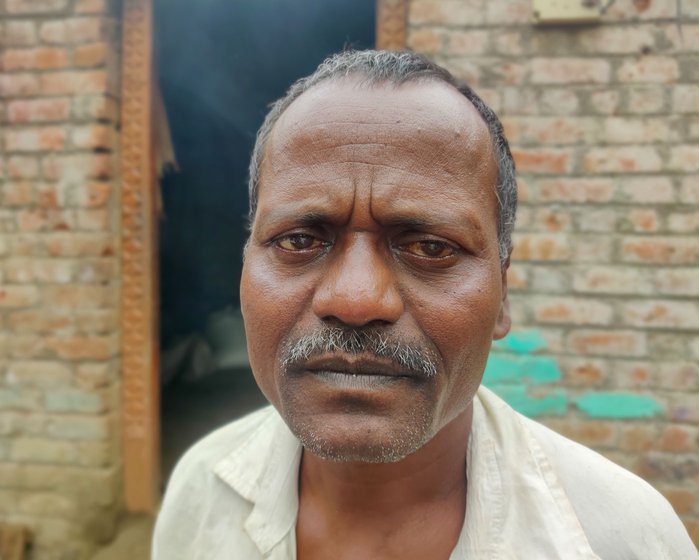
(357, 382)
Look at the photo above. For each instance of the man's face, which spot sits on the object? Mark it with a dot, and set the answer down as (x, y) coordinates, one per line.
(375, 238)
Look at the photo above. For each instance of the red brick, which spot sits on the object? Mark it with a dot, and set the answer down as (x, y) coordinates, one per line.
(660, 250)
(638, 438)
(19, 33)
(22, 167)
(608, 343)
(677, 281)
(516, 277)
(685, 98)
(575, 190)
(44, 220)
(43, 58)
(633, 375)
(658, 69)
(642, 220)
(75, 30)
(94, 136)
(647, 190)
(582, 372)
(540, 247)
(41, 321)
(35, 6)
(93, 219)
(544, 161)
(571, 311)
(19, 85)
(93, 54)
(38, 110)
(550, 219)
(569, 71)
(588, 432)
(646, 99)
(445, 12)
(641, 9)
(91, 107)
(626, 159)
(13, 296)
(79, 296)
(547, 130)
(91, 7)
(83, 347)
(661, 314)
(93, 195)
(34, 139)
(684, 158)
(22, 270)
(678, 439)
(679, 376)
(612, 280)
(88, 166)
(509, 42)
(17, 194)
(79, 244)
(74, 82)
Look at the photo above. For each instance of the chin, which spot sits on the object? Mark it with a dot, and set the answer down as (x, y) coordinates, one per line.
(356, 438)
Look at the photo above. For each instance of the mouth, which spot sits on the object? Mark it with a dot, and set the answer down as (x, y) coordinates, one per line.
(356, 371)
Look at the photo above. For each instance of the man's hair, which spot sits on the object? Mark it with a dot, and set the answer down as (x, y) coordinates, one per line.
(379, 67)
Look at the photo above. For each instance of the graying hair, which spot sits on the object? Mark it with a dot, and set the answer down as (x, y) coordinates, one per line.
(333, 340)
(378, 67)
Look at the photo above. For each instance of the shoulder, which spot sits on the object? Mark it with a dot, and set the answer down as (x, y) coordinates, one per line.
(622, 515)
(196, 492)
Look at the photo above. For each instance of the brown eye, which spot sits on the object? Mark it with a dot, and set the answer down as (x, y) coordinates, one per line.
(299, 242)
(430, 249)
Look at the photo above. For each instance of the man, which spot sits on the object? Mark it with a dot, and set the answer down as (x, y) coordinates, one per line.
(382, 206)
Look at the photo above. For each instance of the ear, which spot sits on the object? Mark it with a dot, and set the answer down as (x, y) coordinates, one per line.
(504, 320)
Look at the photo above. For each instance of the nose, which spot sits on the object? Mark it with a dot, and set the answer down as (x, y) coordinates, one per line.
(359, 288)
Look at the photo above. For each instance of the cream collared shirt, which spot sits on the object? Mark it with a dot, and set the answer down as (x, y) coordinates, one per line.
(532, 494)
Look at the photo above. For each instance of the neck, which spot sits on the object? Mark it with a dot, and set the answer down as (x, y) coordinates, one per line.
(431, 475)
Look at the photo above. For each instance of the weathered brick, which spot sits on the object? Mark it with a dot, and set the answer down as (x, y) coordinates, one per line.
(466, 42)
(635, 130)
(95, 136)
(596, 220)
(685, 98)
(43, 450)
(18, 33)
(42, 58)
(91, 107)
(35, 139)
(80, 427)
(575, 190)
(427, 40)
(617, 39)
(46, 504)
(19, 85)
(554, 101)
(641, 220)
(93, 54)
(660, 250)
(647, 190)
(684, 407)
(645, 99)
(612, 280)
(663, 314)
(547, 130)
(94, 375)
(634, 374)
(592, 248)
(638, 438)
(78, 166)
(18, 398)
(583, 372)
(569, 71)
(509, 42)
(83, 347)
(13, 296)
(540, 247)
(681, 499)
(93, 219)
(684, 158)
(78, 244)
(679, 439)
(446, 12)
(661, 69)
(683, 222)
(44, 220)
(38, 110)
(689, 191)
(79, 296)
(506, 12)
(679, 376)
(597, 433)
(543, 161)
(677, 281)
(71, 30)
(17, 194)
(571, 311)
(91, 6)
(22, 7)
(608, 343)
(625, 159)
(74, 400)
(73, 82)
(604, 102)
(39, 373)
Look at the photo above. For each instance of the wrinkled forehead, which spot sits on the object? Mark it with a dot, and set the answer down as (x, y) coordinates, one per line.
(431, 117)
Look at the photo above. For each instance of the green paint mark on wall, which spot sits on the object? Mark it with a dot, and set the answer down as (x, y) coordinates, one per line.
(551, 403)
(618, 405)
(513, 368)
(521, 342)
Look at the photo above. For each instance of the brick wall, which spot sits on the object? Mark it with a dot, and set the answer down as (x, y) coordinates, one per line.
(58, 273)
(603, 120)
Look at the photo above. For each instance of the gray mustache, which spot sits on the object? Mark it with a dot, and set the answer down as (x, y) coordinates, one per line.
(334, 340)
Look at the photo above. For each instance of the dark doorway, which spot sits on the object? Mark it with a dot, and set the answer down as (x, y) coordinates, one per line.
(220, 63)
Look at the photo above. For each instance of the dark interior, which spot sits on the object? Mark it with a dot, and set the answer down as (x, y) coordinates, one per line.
(220, 64)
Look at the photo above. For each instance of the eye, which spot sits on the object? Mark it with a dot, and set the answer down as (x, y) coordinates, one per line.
(299, 242)
(429, 249)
